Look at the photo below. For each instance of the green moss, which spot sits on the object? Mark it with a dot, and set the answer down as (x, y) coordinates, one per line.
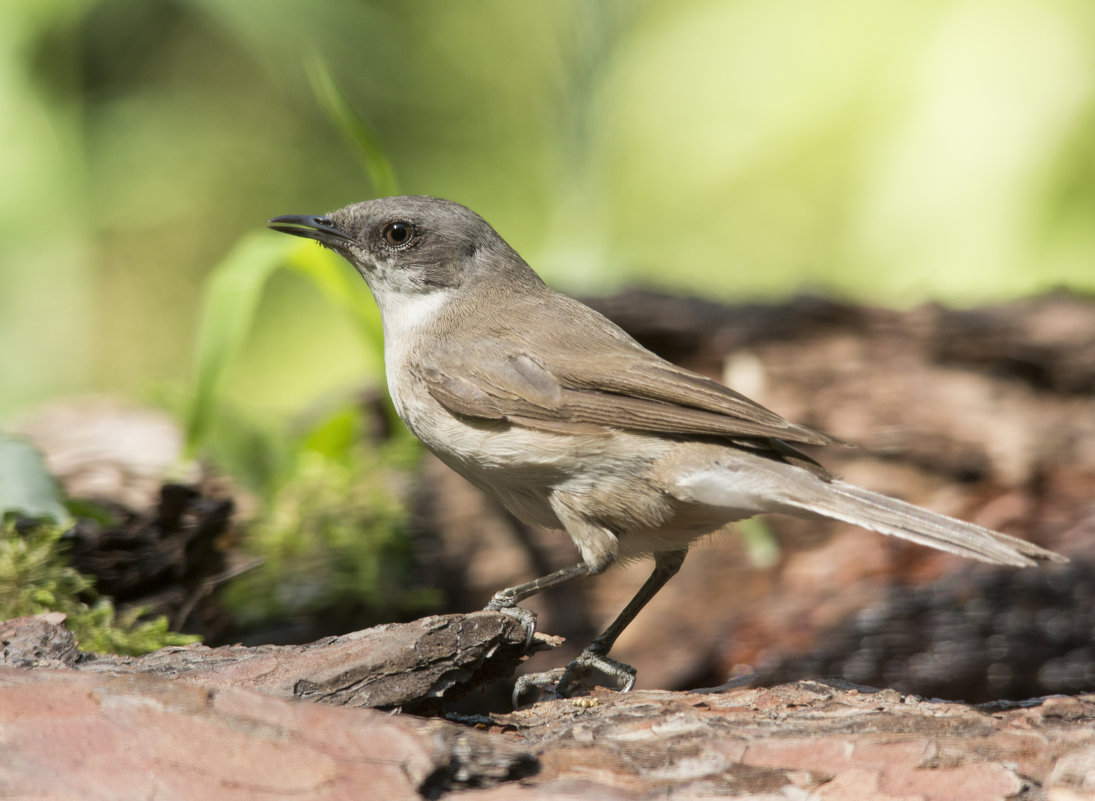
(35, 577)
(333, 540)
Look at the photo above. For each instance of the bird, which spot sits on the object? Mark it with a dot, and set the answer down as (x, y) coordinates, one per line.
(571, 424)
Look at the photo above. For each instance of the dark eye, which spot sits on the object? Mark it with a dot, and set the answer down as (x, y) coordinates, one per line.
(398, 233)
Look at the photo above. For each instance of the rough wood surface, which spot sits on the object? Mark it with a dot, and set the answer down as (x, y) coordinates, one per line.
(122, 734)
(68, 734)
(807, 740)
(416, 666)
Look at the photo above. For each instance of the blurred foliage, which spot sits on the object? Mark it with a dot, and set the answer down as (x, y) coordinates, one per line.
(331, 535)
(234, 290)
(26, 485)
(333, 539)
(883, 151)
(35, 577)
(891, 152)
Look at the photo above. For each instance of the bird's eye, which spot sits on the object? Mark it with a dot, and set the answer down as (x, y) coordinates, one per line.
(398, 233)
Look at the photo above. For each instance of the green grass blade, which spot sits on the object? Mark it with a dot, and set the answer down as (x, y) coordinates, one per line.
(355, 128)
(229, 300)
(345, 290)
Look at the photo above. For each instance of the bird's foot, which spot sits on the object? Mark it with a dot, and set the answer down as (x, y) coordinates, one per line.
(526, 617)
(537, 686)
(564, 682)
(590, 660)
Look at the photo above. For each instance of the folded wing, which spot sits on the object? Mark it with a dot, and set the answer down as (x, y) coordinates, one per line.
(622, 390)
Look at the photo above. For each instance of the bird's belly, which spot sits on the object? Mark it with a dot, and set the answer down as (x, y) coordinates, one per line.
(523, 467)
(609, 476)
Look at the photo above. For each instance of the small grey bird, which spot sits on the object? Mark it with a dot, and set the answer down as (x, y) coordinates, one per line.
(568, 421)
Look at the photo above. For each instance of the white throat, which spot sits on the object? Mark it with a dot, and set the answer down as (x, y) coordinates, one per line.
(403, 315)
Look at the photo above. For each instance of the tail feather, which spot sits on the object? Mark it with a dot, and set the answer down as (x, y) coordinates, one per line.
(887, 515)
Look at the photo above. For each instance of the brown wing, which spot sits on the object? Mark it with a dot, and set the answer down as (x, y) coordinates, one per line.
(707, 402)
(637, 392)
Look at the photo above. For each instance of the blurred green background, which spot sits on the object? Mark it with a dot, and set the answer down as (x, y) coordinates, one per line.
(889, 152)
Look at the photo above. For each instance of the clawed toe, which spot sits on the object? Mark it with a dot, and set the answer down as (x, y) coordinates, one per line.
(564, 682)
(526, 617)
(544, 684)
(586, 663)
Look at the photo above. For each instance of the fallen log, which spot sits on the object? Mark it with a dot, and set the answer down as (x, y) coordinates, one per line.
(417, 666)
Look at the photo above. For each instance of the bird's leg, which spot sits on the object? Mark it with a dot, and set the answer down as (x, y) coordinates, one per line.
(595, 655)
(505, 601)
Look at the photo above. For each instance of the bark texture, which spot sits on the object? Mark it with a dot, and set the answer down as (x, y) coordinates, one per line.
(185, 723)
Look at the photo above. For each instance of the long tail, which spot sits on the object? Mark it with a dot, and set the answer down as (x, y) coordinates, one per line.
(886, 515)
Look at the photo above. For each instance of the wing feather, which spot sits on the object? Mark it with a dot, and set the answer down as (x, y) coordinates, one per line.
(653, 396)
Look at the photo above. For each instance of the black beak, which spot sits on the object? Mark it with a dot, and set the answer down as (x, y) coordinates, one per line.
(320, 229)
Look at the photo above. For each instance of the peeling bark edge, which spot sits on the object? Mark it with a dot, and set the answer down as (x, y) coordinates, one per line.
(414, 666)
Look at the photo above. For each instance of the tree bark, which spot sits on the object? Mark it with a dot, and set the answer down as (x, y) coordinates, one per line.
(220, 724)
